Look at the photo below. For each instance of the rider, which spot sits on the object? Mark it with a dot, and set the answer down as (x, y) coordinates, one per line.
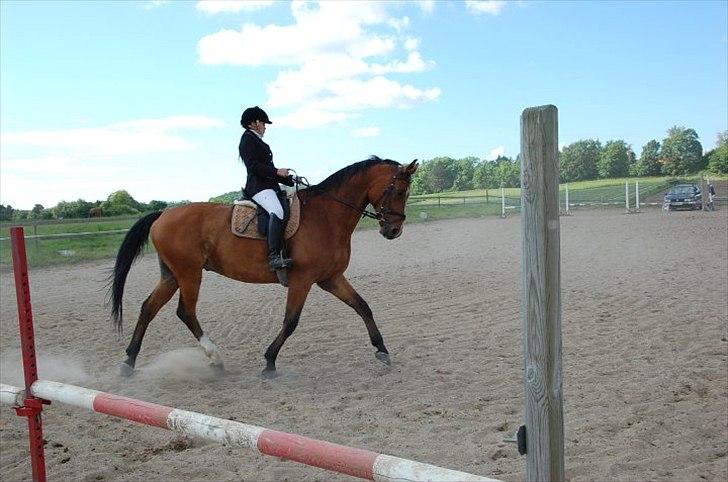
(263, 178)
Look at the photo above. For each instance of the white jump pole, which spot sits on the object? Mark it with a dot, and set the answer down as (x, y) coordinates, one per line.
(541, 294)
(637, 195)
(10, 395)
(567, 199)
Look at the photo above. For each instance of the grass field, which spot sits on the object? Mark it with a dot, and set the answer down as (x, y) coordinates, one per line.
(51, 251)
(103, 243)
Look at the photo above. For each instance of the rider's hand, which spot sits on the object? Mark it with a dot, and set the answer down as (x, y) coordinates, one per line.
(283, 172)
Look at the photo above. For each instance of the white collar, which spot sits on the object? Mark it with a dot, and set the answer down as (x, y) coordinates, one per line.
(254, 132)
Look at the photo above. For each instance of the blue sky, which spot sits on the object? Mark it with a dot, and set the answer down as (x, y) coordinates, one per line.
(146, 96)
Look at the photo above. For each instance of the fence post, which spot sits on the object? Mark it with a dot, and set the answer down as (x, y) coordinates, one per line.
(626, 197)
(503, 202)
(35, 233)
(541, 294)
(637, 195)
(567, 199)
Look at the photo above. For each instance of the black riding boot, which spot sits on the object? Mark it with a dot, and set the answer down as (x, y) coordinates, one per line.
(275, 244)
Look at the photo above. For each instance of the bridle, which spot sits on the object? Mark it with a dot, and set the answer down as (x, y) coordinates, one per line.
(385, 211)
(381, 213)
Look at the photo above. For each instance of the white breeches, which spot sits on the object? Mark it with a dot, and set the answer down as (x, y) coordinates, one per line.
(268, 199)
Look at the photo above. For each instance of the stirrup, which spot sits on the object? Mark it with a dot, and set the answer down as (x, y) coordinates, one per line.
(280, 263)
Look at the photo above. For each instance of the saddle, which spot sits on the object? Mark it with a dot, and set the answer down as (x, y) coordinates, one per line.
(250, 221)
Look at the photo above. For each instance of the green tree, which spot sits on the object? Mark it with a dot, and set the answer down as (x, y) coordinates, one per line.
(631, 158)
(123, 198)
(682, 152)
(121, 203)
(443, 173)
(649, 162)
(174, 204)
(119, 210)
(158, 205)
(6, 212)
(578, 161)
(507, 172)
(614, 159)
(72, 209)
(484, 176)
(718, 158)
(20, 214)
(37, 211)
(422, 179)
(464, 174)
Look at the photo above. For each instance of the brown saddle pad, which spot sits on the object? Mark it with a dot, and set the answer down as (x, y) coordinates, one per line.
(245, 225)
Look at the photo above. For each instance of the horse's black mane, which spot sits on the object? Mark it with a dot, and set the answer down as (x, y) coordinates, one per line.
(340, 177)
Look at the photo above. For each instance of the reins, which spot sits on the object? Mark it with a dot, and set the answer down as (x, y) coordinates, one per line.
(378, 215)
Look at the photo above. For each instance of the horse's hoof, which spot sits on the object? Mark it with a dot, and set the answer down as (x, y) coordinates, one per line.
(219, 369)
(125, 370)
(383, 357)
(269, 374)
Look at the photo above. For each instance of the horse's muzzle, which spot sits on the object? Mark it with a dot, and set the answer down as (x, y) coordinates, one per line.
(390, 232)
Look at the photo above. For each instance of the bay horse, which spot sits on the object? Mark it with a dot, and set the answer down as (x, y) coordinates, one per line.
(197, 237)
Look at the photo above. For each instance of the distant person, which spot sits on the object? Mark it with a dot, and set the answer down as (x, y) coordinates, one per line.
(711, 196)
(263, 179)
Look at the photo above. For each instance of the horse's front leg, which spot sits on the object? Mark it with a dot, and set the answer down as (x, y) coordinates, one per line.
(342, 289)
(297, 294)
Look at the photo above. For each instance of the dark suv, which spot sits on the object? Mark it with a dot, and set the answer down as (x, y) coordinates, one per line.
(683, 196)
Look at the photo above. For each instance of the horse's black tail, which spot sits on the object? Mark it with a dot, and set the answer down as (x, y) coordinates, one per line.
(130, 249)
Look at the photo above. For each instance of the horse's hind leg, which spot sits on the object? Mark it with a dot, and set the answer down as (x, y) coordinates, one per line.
(187, 312)
(162, 293)
(340, 287)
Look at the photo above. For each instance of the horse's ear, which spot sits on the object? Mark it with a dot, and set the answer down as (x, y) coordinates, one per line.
(411, 168)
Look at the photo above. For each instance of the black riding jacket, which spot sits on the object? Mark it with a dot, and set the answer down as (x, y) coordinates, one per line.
(258, 159)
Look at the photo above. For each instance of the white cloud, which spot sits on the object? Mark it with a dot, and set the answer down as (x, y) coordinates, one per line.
(427, 6)
(414, 63)
(333, 26)
(123, 138)
(47, 166)
(154, 4)
(494, 153)
(366, 132)
(411, 43)
(47, 179)
(399, 24)
(212, 7)
(334, 59)
(492, 7)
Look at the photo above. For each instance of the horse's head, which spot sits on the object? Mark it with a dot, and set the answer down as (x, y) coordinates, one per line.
(388, 194)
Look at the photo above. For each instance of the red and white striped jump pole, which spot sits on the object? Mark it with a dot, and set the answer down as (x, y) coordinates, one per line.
(360, 463)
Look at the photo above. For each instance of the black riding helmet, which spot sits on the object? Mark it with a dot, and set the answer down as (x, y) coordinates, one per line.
(252, 114)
